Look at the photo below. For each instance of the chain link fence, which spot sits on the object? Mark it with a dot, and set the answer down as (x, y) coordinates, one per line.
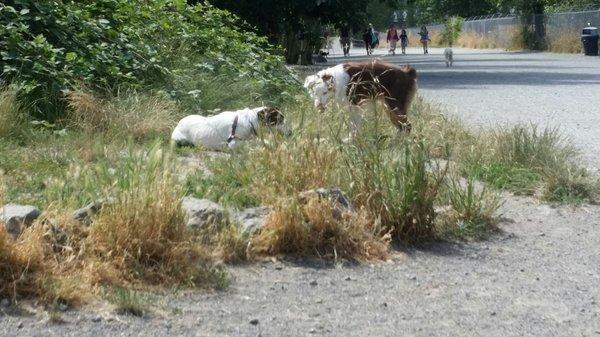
(562, 30)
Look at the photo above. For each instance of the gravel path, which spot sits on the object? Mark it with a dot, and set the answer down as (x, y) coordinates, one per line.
(539, 277)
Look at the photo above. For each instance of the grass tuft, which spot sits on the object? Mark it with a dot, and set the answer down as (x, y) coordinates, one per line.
(143, 234)
(11, 115)
(318, 229)
(141, 116)
(471, 209)
(128, 302)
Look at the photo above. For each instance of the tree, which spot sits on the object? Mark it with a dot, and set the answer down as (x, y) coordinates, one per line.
(297, 25)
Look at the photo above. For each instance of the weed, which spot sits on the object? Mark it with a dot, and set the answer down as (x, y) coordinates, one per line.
(128, 302)
(472, 208)
(143, 232)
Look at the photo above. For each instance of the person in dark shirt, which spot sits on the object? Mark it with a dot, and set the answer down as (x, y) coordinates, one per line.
(367, 40)
(345, 40)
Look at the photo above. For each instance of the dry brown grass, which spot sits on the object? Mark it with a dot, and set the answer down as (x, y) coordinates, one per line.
(565, 42)
(132, 114)
(477, 41)
(9, 112)
(318, 228)
(142, 235)
(434, 36)
(21, 263)
(289, 168)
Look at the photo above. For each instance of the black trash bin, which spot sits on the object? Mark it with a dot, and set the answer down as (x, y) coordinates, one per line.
(589, 38)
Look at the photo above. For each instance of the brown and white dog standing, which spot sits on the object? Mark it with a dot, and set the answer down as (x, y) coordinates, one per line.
(355, 82)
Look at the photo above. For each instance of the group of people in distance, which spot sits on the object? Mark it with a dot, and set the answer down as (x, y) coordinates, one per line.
(371, 39)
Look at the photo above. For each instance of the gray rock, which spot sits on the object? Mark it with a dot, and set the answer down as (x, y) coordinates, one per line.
(84, 214)
(334, 194)
(202, 213)
(250, 220)
(5, 303)
(17, 217)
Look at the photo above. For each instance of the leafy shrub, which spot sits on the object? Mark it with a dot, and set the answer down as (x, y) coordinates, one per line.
(451, 30)
(50, 46)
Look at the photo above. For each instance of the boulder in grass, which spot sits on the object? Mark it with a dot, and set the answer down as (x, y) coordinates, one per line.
(250, 220)
(333, 194)
(18, 217)
(202, 213)
(84, 214)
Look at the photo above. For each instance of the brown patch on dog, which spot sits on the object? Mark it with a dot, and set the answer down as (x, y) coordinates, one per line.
(396, 85)
(271, 117)
(326, 77)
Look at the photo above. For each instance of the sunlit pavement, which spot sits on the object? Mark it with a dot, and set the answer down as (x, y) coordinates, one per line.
(498, 88)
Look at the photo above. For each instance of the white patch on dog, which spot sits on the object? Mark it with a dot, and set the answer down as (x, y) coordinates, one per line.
(449, 57)
(328, 84)
(213, 132)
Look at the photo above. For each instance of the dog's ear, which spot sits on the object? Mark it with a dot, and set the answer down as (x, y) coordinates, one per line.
(270, 116)
(326, 77)
(410, 71)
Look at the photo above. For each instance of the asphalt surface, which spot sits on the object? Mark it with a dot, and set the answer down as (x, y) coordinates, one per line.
(496, 88)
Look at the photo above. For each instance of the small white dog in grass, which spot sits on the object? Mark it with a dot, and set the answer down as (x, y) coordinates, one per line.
(449, 56)
(225, 129)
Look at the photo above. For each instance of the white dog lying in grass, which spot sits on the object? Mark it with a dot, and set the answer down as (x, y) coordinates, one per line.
(449, 57)
(224, 130)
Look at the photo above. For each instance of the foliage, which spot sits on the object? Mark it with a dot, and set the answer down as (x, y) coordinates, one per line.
(452, 29)
(51, 46)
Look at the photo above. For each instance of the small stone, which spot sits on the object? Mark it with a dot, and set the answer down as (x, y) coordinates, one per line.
(542, 234)
(63, 307)
(20, 325)
(493, 313)
(251, 220)
(385, 304)
(96, 319)
(313, 330)
(278, 267)
(412, 277)
(313, 283)
(522, 270)
(319, 301)
(18, 217)
(348, 278)
(254, 321)
(202, 213)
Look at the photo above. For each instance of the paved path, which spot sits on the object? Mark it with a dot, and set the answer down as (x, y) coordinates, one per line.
(491, 88)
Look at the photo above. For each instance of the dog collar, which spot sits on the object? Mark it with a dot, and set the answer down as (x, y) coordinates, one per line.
(232, 136)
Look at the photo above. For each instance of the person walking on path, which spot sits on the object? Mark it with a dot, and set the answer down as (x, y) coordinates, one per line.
(374, 37)
(424, 39)
(345, 40)
(367, 40)
(392, 38)
(403, 41)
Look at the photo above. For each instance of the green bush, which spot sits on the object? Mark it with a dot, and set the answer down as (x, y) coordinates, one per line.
(51, 46)
(452, 29)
